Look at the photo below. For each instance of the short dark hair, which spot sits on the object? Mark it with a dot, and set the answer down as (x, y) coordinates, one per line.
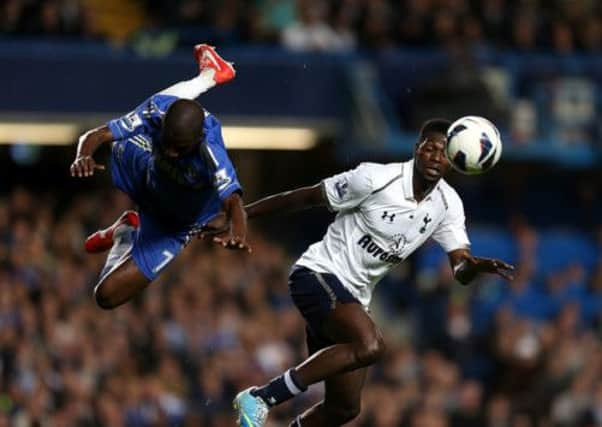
(184, 120)
(434, 126)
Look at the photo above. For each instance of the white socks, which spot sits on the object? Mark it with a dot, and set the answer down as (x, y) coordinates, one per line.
(191, 89)
(123, 241)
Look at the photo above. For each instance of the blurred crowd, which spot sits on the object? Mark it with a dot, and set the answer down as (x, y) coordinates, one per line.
(325, 25)
(217, 321)
(48, 19)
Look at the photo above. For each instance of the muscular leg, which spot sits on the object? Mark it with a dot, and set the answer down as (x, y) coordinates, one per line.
(341, 404)
(120, 285)
(361, 345)
(333, 316)
(120, 279)
(137, 256)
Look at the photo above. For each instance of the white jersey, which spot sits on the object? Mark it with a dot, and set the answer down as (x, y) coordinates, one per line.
(379, 224)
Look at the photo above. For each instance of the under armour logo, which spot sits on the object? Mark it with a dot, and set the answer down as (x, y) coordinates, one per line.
(426, 220)
(386, 215)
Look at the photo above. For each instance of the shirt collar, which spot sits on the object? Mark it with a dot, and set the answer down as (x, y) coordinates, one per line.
(408, 181)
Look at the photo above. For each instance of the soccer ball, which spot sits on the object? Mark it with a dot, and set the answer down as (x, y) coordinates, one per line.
(473, 145)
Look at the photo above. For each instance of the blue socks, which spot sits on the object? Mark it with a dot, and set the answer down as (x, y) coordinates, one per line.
(280, 389)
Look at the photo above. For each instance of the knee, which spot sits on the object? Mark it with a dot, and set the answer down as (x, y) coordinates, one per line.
(342, 413)
(104, 298)
(370, 350)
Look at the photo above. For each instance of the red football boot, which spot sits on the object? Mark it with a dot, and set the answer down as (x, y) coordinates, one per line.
(207, 57)
(102, 240)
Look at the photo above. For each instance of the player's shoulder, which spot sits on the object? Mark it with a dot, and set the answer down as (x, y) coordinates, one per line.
(159, 103)
(450, 195)
(213, 128)
(373, 177)
(380, 173)
(210, 120)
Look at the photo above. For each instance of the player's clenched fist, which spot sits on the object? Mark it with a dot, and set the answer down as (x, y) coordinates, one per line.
(84, 166)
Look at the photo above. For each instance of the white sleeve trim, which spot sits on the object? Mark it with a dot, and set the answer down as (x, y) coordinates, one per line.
(213, 158)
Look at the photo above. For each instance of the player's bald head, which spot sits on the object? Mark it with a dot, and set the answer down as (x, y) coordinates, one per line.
(183, 124)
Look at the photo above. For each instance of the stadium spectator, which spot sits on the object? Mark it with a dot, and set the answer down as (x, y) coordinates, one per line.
(312, 32)
(178, 355)
(334, 24)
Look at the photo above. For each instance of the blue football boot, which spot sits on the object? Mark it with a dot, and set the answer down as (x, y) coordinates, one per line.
(252, 410)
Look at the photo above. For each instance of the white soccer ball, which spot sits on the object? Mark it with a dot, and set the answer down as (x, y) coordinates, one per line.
(473, 145)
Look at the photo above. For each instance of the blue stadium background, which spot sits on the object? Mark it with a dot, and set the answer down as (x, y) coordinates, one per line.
(361, 75)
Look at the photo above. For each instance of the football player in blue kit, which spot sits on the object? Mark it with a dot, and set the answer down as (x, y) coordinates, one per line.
(168, 156)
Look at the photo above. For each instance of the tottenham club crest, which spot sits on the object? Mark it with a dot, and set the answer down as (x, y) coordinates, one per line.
(426, 221)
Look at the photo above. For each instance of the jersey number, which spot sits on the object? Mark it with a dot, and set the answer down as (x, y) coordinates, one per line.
(168, 257)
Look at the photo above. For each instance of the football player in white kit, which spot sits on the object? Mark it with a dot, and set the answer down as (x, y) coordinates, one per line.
(384, 213)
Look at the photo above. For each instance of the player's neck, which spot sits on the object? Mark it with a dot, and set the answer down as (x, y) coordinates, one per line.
(421, 186)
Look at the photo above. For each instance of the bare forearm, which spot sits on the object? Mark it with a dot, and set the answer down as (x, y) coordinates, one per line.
(84, 164)
(236, 213)
(463, 273)
(91, 140)
(237, 216)
(289, 201)
(467, 267)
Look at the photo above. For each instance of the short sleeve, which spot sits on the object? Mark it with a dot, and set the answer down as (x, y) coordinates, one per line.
(144, 119)
(451, 232)
(348, 189)
(225, 180)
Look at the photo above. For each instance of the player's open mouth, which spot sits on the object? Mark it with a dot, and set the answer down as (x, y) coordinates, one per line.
(432, 171)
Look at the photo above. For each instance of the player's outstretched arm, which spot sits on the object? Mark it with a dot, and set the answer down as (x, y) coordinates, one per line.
(84, 164)
(236, 216)
(289, 201)
(466, 267)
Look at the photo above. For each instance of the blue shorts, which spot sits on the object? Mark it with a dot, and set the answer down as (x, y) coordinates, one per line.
(316, 295)
(154, 247)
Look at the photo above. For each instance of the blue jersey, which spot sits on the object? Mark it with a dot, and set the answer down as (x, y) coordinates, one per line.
(184, 192)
